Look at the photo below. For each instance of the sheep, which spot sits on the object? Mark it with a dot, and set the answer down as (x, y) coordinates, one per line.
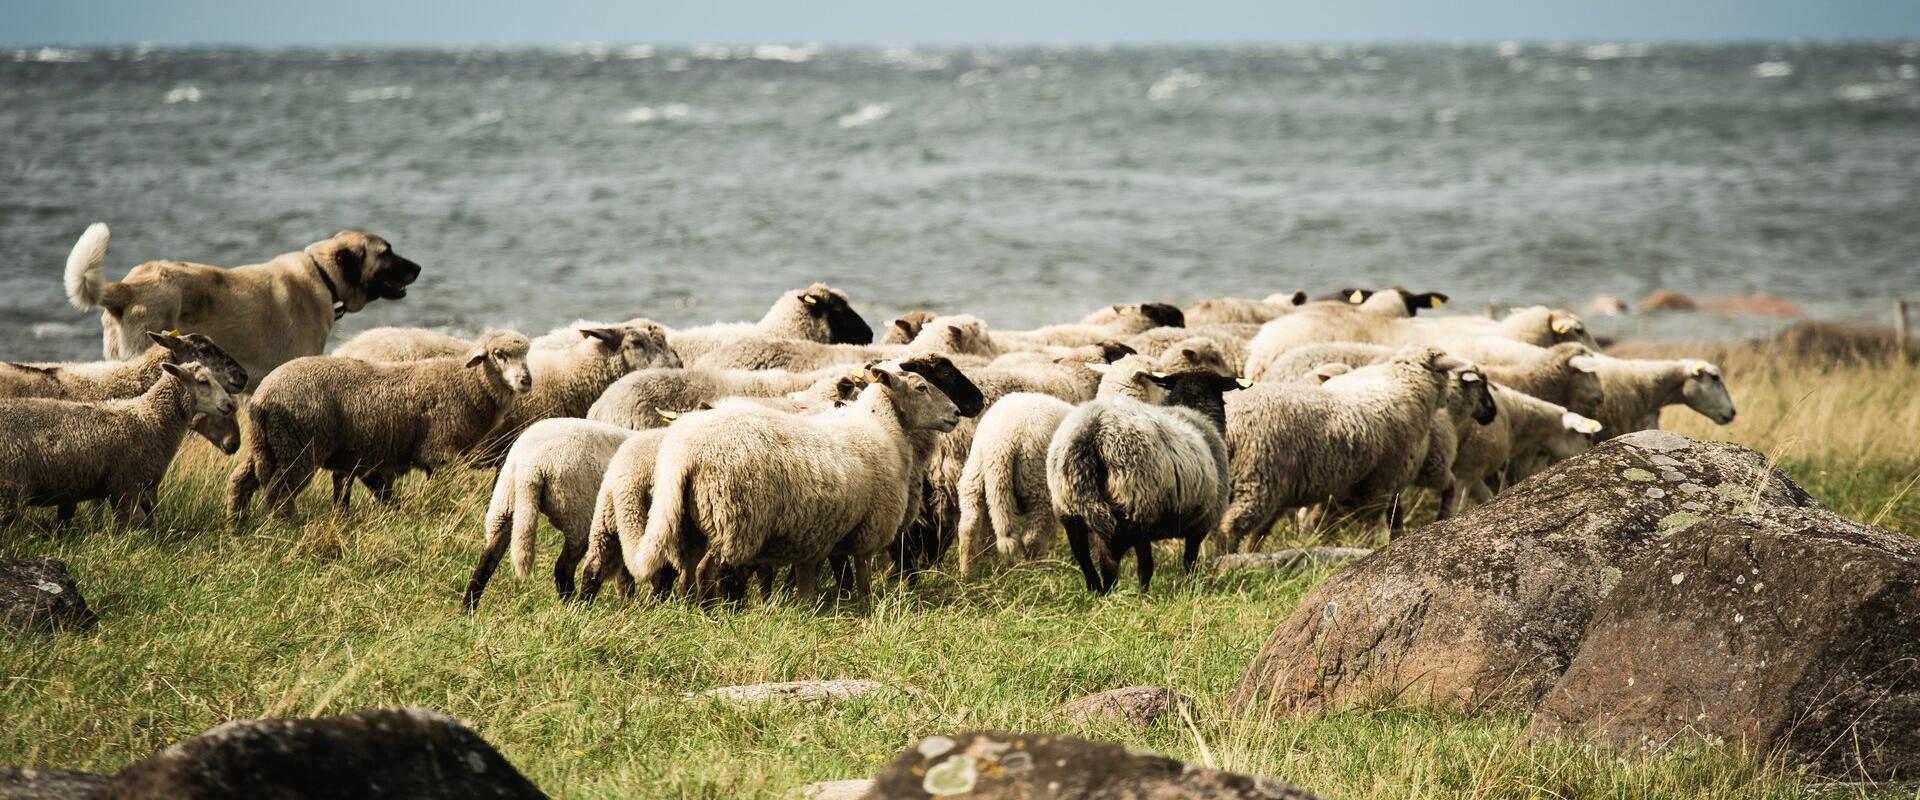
(1565, 373)
(1124, 474)
(62, 452)
(1229, 338)
(765, 487)
(1468, 402)
(818, 313)
(1113, 322)
(1636, 389)
(1107, 351)
(554, 468)
(1003, 486)
(119, 380)
(356, 416)
(906, 326)
(1332, 323)
(635, 401)
(1358, 437)
(952, 335)
(402, 344)
(1525, 423)
(566, 383)
(1215, 310)
(619, 519)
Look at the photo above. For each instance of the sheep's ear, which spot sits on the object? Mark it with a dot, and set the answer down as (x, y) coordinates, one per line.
(477, 358)
(1103, 369)
(1299, 297)
(1447, 363)
(608, 335)
(1326, 372)
(1160, 379)
(1469, 376)
(1584, 363)
(175, 370)
(1696, 369)
(162, 338)
(905, 326)
(1188, 354)
(1579, 424)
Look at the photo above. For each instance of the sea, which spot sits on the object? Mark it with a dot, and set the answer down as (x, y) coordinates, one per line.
(1024, 185)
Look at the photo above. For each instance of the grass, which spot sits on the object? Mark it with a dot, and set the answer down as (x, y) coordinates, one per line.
(199, 625)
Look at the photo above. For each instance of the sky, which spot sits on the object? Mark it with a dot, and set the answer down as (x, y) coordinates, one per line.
(934, 22)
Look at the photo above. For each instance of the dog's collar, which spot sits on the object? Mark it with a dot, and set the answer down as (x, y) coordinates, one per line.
(333, 290)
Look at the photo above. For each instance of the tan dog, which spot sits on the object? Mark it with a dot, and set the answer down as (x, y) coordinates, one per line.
(264, 315)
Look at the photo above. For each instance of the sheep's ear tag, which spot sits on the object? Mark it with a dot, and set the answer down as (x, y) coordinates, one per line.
(1159, 374)
(1562, 326)
(1244, 383)
(667, 415)
(1437, 302)
(809, 299)
(1697, 368)
(1356, 298)
(1469, 377)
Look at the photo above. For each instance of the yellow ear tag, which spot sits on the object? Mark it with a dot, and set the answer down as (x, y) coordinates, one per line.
(1562, 326)
(667, 415)
(1439, 303)
(1244, 383)
(808, 299)
(1158, 374)
(1356, 298)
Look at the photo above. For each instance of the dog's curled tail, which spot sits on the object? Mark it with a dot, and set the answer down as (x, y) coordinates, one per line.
(85, 281)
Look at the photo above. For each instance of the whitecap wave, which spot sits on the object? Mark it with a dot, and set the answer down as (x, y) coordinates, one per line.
(1174, 82)
(666, 113)
(1772, 69)
(380, 93)
(866, 115)
(184, 94)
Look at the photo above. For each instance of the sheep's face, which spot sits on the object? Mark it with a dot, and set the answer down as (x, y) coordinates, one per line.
(193, 347)
(1566, 327)
(209, 397)
(941, 372)
(637, 345)
(1572, 437)
(919, 404)
(962, 334)
(503, 354)
(1398, 301)
(906, 327)
(1297, 298)
(1584, 394)
(223, 431)
(1138, 317)
(1200, 390)
(1194, 355)
(1706, 392)
(831, 313)
(1473, 390)
(1131, 376)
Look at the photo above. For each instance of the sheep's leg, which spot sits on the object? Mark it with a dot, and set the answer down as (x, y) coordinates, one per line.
(1077, 535)
(1143, 562)
(806, 579)
(489, 560)
(64, 514)
(1243, 521)
(126, 512)
(1190, 555)
(704, 581)
(571, 550)
(343, 489)
(1450, 500)
(862, 577)
(240, 488)
(603, 561)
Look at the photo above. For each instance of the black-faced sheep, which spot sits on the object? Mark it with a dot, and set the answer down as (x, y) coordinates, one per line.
(1124, 474)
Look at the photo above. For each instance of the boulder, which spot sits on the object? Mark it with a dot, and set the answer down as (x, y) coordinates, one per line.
(1753, 304)
(990, 765)
(387, 752)
(39, 594)
(1139, 706)
(1784, 630)
(1666, 300)
(1485, 609)
(841, 689)
(48, 784)
(1284, 560)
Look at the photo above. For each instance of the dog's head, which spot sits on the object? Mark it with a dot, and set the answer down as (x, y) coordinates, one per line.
(364, 268)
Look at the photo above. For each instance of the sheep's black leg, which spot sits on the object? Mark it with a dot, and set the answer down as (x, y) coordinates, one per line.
(1143, 561)
(1191, 554)
(65, 513)
(489, 560)
(1082, 551)
(564, 566)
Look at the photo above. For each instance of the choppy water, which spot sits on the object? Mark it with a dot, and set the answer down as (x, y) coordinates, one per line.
(1026, 186)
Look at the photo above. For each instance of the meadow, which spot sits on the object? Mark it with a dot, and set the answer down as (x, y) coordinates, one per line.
(347, 611)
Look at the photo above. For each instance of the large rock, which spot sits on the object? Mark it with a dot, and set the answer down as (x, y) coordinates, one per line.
(48, 784)
(381, 753)
(990, 765)
(1285, 560)
(1138, 706)
(1486, 609)
(39, 594)
(1788, 629)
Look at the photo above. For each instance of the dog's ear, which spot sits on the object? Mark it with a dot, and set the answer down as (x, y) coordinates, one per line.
(349, 257)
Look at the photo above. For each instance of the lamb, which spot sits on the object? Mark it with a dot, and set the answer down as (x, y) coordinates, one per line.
(964, 335)
(555, 468)
(1525, 424)
(1214, 310)
(355, 416)
(619, 520)
(1003, 486)
(1637, 388)
(818, 313)
(118, 380)
(1359, 438)
(1123, 474)
(768, 488)
(1113, 322)
(62, 452)
(1333, 323)
(566, 383)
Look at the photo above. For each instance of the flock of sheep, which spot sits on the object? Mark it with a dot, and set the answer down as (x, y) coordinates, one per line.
(702, 460)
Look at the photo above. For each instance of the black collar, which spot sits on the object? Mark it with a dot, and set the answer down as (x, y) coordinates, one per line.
(333, 291)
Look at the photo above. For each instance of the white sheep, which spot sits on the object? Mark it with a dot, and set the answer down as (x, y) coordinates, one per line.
(1229, 338)
(1113, 322)
(1360, 438)
(1525, 424)
(955, 335)
(553, 469)
(402, 344)
(1635, 389)
(817, 313)
(637, 400)
(360, 417)
(62, 452)
(1003, 486)
(1215, 310)
(619, 520)
(769, 488)
(1315, 323)
(1123, 474)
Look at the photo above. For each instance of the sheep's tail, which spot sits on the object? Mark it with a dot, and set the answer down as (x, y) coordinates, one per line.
(85, 267)
(525, 518)
(1084, 475)
(999, 483)
(670, 489)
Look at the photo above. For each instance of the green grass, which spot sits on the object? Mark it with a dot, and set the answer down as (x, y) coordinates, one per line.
(199, 625)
